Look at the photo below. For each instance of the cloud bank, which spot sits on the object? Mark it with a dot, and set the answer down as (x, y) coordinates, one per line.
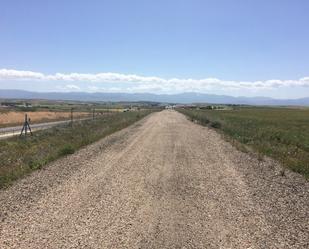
(138, 83)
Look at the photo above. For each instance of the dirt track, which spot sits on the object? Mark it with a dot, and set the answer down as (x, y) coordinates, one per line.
(161, 183)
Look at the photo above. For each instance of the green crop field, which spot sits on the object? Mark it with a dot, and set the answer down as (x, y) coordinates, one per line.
(281, 133)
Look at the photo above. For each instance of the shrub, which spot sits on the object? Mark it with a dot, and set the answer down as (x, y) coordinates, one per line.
(66, 150)
(36, 164)
(205, 121)
(215, 124)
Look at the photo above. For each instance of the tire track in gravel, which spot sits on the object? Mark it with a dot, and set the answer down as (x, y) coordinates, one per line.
(163, 182)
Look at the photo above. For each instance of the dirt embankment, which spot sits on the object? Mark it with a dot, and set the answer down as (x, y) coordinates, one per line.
(164, 182)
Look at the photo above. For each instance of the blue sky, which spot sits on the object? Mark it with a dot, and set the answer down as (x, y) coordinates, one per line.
(240, 47)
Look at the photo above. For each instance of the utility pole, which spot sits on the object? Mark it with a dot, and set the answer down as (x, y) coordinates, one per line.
(26, 126)
(93, 113)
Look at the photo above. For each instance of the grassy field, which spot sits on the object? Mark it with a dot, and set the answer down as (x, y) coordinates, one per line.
(20, 156)
(12, 112)
(281, 133)
(12, 118)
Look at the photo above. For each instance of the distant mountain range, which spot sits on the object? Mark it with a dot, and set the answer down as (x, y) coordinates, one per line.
(182, 98)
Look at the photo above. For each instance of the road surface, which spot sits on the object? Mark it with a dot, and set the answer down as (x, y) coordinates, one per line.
(163, 182)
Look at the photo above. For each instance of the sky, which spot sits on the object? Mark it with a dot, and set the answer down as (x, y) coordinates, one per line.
(239, 47)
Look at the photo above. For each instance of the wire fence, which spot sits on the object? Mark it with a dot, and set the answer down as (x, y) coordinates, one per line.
(7, 132)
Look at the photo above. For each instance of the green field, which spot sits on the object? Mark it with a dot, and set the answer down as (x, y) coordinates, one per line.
(19, 156)
(81, 106)
(281, 133)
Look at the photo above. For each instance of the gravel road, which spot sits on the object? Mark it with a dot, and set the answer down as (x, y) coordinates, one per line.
(163, 182)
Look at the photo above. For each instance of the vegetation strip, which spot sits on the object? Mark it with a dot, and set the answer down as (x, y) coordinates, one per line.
(21, 156)
(281, 133)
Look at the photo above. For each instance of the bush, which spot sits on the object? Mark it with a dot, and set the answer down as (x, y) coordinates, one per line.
(36, 164)
(205, 121)
(66, 150)
(215, 124)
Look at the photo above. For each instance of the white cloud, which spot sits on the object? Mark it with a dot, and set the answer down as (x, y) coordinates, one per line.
(73, 87)
(132, 82)
(7, 74)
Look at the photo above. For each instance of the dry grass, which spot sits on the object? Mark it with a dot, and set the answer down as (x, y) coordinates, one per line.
(15, 118)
